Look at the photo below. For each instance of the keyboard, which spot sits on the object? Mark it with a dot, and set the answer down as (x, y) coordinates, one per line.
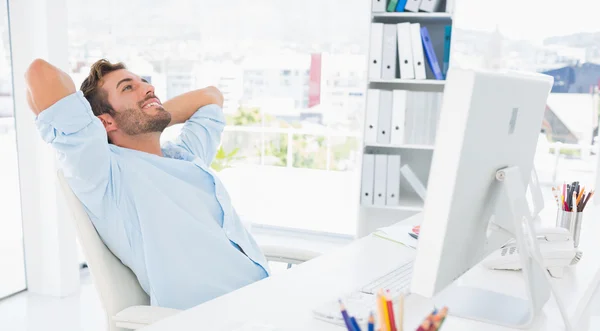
(362, 302)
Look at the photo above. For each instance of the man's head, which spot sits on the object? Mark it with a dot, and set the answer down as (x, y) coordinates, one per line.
(124, 102)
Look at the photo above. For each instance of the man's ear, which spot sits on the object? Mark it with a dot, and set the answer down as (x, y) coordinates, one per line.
(108, 122)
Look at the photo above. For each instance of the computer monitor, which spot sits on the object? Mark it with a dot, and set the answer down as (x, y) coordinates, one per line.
(489, 121)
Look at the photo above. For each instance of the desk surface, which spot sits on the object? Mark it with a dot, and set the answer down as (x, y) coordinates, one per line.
(286, 300)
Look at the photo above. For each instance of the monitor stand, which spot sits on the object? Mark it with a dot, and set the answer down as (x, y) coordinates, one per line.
(501, 309)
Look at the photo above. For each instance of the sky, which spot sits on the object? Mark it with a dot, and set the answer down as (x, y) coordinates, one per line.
(529, 19)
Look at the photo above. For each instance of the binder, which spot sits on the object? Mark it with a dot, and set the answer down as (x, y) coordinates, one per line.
(367, 182)
(413, 5)
(378, 6)
(414, 181)
(405, 57)
(430, 53)
(398, 116)
(384, 117)
(371, 116)
(429, 6)
(417, 51)
(400, 6)
(375, 49)
(393, 181)
(380, 181)
(391, 7)
(447, 40)
(389, 60)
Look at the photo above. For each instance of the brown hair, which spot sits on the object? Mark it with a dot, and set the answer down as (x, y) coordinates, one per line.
(91, 86)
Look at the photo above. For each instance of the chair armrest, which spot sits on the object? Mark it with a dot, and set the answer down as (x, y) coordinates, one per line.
(284, 254)
(135, 317)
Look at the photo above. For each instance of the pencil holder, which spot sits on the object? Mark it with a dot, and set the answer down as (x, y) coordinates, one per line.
(572, 222)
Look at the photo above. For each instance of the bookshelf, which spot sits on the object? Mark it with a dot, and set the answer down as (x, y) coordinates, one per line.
(416, 154)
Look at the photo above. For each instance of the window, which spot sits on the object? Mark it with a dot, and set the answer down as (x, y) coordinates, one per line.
(301, 145)
(491, 35)
(12, 274)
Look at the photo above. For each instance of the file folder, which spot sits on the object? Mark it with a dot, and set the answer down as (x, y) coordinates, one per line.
(398, 117)
(392, 5)
(371, 116)
(417, 50)
(385, 117)
(430, 53)
(430, 6)
(375, 49)
(378, 6)
(400, 6)
(447, 40)
(389, 53)
(380, 182)
(368, 178)
(413, 5)
(405, 57)
(393, 180)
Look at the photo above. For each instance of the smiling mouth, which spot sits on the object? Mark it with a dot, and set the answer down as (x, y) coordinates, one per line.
(151, 104)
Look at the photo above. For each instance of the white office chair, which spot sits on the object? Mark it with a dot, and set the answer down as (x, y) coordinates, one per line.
(125, 303)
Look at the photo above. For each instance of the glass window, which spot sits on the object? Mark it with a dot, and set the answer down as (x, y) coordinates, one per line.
(301, 139)
(12, 263)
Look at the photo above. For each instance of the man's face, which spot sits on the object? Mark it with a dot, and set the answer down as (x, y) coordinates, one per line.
(137, 109)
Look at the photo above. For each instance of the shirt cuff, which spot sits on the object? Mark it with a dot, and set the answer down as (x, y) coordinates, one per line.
(213, 112)
(69, 115)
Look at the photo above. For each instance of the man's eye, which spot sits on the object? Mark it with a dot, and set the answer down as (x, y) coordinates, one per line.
(127, 87)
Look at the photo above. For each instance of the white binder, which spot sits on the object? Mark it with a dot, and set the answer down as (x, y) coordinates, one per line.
(368, 177)
(385, 117)
(405, 56)
(393, 181)
(389, 52)
(398, 117)
(380, 182)
(429, 5)
(375, 49)
(413, 5)
(417, 51)
(378, 6)
(372, 116)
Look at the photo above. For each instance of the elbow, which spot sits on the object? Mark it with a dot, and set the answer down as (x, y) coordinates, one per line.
(216, 95)
(37, 68)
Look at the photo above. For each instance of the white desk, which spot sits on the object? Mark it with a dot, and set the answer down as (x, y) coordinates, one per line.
(286, 300)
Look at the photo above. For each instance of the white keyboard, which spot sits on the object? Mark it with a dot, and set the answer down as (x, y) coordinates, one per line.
(362, 302)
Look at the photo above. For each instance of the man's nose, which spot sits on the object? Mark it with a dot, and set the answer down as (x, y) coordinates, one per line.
(148, 88)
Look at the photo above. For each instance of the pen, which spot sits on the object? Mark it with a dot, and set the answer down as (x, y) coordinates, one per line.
(371, 325)
(345, 316)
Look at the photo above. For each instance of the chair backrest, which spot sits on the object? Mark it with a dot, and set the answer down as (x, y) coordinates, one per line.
(116, 284)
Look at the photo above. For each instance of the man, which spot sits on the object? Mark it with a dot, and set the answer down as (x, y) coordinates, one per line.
(161, 210)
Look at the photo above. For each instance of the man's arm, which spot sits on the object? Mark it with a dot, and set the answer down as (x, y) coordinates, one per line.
(182, 107)
(65, 120)
(202, 113)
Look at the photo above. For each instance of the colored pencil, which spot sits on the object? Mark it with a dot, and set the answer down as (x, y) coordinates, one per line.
(354, 324)
(390, 309)
(580, 195)
(346, 317)
(371, 325)
(382, 310)
(589, 196)
(400, 314)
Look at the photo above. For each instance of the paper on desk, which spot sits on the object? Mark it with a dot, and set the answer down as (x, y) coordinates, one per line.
(398, 233)
(257, 327)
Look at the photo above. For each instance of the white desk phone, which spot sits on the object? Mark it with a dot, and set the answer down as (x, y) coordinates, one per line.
(556, 246)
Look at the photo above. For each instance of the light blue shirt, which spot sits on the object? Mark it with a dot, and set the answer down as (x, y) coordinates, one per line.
(168, 218)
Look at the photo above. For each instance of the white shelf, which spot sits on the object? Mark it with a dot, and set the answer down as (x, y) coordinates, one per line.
(426, 82)
(406, 204)
(407, 146)
(405, 16)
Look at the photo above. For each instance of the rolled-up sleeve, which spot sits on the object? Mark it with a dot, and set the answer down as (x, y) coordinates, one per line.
(201, 134)
(81, 145)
